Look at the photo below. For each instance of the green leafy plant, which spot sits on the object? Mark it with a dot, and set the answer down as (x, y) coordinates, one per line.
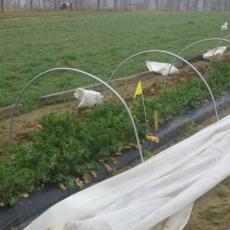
(66, 148)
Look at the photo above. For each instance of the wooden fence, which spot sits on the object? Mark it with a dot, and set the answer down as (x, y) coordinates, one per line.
(160, 5)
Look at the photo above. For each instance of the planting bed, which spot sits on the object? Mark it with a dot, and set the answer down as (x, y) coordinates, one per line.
(152, 86)
(66, 151)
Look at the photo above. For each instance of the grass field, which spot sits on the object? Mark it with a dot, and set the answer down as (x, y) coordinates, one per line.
(94, 42)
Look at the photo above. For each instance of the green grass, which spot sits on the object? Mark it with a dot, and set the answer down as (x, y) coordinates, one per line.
(92, 41)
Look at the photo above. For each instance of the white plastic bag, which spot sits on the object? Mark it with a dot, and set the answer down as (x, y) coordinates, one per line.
(224, 27)
(211, 53)
(88, 98)
(161, 68)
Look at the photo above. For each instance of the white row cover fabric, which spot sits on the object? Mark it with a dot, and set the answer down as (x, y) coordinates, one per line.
(211, 53)
(161, 68)
(88, 98)
(157, 194)
(224, 27)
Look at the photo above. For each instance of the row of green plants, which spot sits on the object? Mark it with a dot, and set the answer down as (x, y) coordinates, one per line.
(185, 96)
(68, 148)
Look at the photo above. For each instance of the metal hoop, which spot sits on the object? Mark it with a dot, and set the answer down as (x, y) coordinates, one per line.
(175, 56)
(203, 41)
(196, 43)
(89, 75)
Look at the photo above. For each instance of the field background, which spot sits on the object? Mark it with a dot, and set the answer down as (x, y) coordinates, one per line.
(157, 5)
(97, 42)
(92, 41)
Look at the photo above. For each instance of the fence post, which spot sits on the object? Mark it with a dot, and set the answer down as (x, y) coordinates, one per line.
(146, 6)
(204, 5)
(219, 6)
(196, 6)
(39, 5)
(170, 5)
(126, 4)
(75, 5)
(31, 4)
(2, 6)
(187, 7)
(157, 5)
(178, 5)
(115, 5)
(226, 6)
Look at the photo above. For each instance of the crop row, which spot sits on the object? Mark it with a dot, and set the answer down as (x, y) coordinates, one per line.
(69, 148)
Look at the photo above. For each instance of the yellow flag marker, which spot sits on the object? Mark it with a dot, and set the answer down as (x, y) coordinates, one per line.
(138, 89)
(156, 126)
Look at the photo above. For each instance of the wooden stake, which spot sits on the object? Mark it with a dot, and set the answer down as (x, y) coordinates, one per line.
(156, 120)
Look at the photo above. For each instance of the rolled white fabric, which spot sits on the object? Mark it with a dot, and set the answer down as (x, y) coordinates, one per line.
(157, 194)
(211, 53)
(161, 68)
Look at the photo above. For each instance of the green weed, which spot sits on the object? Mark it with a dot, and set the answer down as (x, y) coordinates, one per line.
(212, 215)
(221, 192)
